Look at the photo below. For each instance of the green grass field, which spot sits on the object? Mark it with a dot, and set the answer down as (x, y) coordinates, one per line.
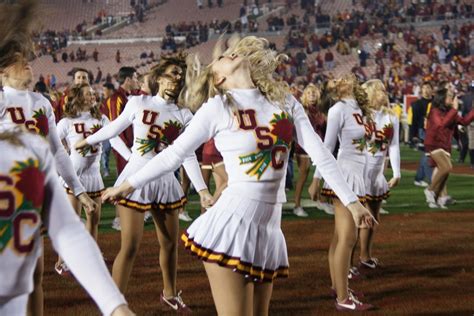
(406, 198)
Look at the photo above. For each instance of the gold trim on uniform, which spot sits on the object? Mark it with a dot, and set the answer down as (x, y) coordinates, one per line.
(143, 207)
(222, 259)
(330, 194)
(377, 198)
(92, 195)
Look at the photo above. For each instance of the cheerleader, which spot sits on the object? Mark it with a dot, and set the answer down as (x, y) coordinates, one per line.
(346, 125)
(157, 121)
(82, 118)
(212, 163)
(384, 139)
(310, 101)
(251, 117)
(31, 195)
(19, 106)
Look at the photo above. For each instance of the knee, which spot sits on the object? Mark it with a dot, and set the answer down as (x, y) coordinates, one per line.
(169, 245)
(130, 250)
(347, 239)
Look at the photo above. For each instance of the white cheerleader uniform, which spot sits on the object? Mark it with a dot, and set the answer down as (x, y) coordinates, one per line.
(346, 124)
(156, 124)
(385, 138)
(242, 230)
(87, 162)
(31, 193)
(34, 111)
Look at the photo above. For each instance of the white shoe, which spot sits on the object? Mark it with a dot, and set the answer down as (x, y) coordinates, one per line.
(328, 208)
(383, 211)
(421, 183)
(148, 217)
(184, 216)
(436, 205)
(116, 224)
(300, 212)
(430, 196)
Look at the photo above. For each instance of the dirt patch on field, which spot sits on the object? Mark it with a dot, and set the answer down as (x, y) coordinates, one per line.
(428, 268)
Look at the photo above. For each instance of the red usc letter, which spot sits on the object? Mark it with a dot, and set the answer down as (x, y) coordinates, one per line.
(149, 117)
(277, 161)
(80, 128)
(265, 141)
(247, 120)
(17, 115)
(358, 118)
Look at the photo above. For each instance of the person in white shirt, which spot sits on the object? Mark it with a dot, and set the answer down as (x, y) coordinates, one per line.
(19, 106)
(251, 118)
(157, 121)
(32, 197)
(384, 139)
(81, 119)
(346, 124)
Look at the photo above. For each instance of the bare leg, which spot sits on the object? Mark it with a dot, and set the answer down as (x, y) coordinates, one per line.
(167, 230)
(332, 249)
(36, 298)
(93, 219)
(346, 239)
(303, 166)
(131, 236)
(367, 234)
(232, 293)
(261, 298)
(444, 166)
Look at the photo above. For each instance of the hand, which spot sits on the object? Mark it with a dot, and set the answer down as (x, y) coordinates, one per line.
(115, 193)
(88, 203)
(393, 182)
(455, 103)
(314, 189)
(122, 310)
(362, 216)
(207, 200)
(81, 145)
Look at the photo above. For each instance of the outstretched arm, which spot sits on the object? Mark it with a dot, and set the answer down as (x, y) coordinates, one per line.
(75, 245)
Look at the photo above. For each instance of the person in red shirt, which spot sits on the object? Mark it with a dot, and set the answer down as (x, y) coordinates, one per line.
(114, 106)
(442, 121)
(80, 76)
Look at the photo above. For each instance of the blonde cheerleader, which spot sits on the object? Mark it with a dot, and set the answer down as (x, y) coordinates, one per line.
(251, 118)
(384, 139)
(346, 124)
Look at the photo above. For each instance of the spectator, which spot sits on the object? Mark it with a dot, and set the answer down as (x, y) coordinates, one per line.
(117, 56)
(95, 55)
(329, 59)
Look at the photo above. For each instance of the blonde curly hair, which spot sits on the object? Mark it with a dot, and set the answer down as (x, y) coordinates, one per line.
(374, 88)
(200, 80)
(348, 87)
(305, 97)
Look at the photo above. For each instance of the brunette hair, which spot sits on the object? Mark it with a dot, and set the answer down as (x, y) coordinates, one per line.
(75, 102)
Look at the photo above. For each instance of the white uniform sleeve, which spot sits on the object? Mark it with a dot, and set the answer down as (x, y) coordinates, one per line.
(61, 158)
(202, 128)
(75, 245)
(115, 127)
(320, 155)
(62, 128)
(394, 149)
(117, 143)
(334, 124)
(190, 163)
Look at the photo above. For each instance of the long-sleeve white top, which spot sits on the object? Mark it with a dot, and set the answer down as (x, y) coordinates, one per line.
(385, 138)
(253, 136)
(34, 111)
(73, 130)
(346, 125)
(156, 125)
(32, 196)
